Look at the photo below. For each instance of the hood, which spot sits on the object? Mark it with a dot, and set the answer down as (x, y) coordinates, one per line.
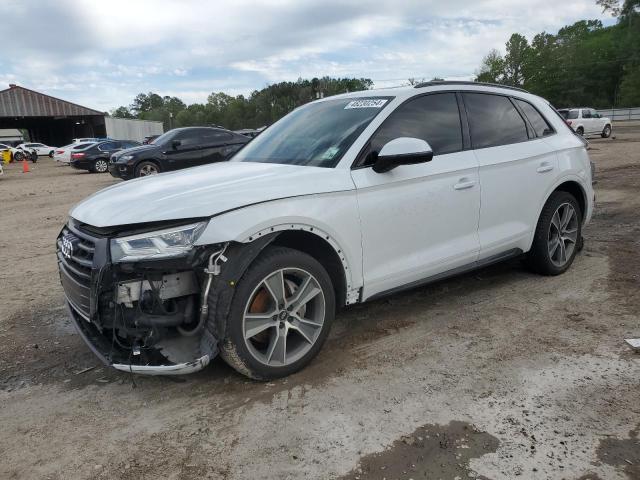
(205, 191)
(138, 149)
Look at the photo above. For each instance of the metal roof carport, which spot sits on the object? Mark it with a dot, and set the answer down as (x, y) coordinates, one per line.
(48, 120)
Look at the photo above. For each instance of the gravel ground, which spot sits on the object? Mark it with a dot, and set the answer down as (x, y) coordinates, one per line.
(496, 374)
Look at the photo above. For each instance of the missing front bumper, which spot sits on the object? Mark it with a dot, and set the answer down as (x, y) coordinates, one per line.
(110, 355)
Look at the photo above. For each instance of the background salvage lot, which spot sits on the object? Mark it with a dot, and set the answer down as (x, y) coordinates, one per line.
(494, 374)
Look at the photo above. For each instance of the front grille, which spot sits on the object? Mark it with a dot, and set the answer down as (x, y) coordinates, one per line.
(75, 252)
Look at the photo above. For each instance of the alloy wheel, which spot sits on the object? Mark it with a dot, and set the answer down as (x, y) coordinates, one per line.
(283, 317)
(563, 234)
(148, 170)
(101, 166)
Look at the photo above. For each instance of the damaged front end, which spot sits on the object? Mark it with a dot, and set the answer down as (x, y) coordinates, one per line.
(141, 301)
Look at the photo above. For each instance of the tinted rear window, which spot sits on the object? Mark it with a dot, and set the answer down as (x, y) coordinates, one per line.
(539, 123)
(493, 120)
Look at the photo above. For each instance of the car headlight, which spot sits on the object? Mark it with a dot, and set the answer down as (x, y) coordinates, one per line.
(172, 242)
(126, 158)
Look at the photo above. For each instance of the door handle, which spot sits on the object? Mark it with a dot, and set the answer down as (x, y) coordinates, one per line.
(544, 167)
(463, 184)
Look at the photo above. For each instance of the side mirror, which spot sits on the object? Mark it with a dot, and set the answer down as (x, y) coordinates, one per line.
(175, 144)
(402, 151)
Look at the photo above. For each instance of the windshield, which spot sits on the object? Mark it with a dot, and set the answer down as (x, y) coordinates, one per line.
(316, 134)
(162, 139)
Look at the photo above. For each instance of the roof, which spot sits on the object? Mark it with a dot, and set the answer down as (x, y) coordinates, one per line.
(405, 92)
(437, 83)
(18, 101)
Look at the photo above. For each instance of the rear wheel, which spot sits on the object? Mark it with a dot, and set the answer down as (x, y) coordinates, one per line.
(280, 315)
(606, 132)
(101, 166)
(144, 169)
(51, 154)
(558, 235)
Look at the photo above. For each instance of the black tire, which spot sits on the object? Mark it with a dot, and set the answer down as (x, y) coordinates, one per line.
(538, 258)
(101, 165)
(233, 348)
(580, 131)
(34, 157)
(51, 154)
(18, 156)
(606, 131)
(144, 166)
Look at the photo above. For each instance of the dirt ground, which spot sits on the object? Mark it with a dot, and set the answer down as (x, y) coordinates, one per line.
(498, 374)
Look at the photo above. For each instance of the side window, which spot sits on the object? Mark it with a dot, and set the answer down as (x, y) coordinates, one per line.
(188, 137)
(540, 125)
(493, 120)
(107, 146)
(433, 118)
(586, 113)
(213, 137)
(573, 114)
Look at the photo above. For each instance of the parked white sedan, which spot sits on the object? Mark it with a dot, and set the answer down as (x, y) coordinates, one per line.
(40, 148)
(586, 121)
(63, 154)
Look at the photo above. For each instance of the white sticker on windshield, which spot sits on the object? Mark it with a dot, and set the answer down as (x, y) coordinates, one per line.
(368, 103)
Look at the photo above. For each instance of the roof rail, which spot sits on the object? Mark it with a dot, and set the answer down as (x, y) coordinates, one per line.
(435, 83)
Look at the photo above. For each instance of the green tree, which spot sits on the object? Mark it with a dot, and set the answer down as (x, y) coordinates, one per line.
(492, 68)
(122, 112)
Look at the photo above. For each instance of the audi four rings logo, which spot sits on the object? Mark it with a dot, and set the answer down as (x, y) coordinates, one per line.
(67, 246)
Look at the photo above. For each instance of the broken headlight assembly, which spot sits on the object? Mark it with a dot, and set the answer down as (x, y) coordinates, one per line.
(171, 242)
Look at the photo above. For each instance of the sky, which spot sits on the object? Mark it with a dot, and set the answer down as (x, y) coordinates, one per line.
(102, 53)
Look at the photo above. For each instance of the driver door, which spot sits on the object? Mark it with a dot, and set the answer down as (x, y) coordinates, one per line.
(419, 220)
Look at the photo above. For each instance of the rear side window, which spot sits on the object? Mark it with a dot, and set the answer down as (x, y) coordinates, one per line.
(215, 136)
(493, 120)
(538, 122)
(108, 146)
(433, 118)
(188, 137)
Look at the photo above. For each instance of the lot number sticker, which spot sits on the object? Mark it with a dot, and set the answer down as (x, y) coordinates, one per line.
(379, 103)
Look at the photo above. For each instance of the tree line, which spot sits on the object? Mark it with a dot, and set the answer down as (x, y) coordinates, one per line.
(260, 108)
(584, 64)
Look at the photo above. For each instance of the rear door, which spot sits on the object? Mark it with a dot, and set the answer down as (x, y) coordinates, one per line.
(106, 149)
(214, 143)
(516, 169)
(418, 220)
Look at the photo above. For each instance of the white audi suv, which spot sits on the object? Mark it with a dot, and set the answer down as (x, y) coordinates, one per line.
(344, 200)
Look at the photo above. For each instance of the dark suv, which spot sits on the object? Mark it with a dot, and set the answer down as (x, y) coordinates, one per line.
(96, 157)
(176, 149)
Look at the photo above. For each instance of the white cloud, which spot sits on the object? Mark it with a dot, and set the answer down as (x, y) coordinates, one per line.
(103, 53)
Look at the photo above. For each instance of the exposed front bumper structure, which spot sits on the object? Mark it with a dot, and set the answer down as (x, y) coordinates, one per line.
(139, 318)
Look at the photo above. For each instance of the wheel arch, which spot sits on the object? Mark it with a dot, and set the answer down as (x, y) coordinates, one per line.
(327, 254)
(575, 189)
(570, 185)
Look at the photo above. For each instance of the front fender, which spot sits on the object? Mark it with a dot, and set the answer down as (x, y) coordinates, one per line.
(331, 216)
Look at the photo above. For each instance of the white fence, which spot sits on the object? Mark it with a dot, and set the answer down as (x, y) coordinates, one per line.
(621, 113)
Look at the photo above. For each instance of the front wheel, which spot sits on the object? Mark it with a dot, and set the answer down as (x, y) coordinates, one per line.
(18, 156)
(606, 132)
(144, 169)
(558, 235)
(580, 131)
(280, 315)
(51, 154)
